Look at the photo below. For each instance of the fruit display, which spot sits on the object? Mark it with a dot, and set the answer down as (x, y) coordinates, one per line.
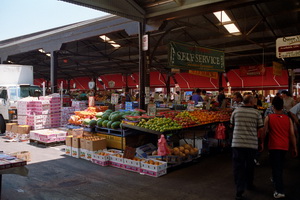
(159, 124)
(185, 119)
(182, 151)
(89, 113)
(153, 162)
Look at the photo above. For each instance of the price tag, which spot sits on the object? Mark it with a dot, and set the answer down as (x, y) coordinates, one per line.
(151, 110)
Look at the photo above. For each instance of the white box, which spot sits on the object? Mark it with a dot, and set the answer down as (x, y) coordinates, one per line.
(68, 150)
(83, 153)
(153, 170)
(116, 161)
(75, 152)
(131, 165)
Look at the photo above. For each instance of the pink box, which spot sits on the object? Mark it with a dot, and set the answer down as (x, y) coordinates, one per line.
(100, 162)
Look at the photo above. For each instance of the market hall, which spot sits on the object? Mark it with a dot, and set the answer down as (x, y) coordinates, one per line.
(108, 64)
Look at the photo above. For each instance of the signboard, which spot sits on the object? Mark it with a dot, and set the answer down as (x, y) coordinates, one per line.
(115, 98)
(191, 57)
(277, 69)
(111, 84)
(145, 42)
(213, 75)
(287, 47)
(151, 110)
(91, 84)
(255, 70)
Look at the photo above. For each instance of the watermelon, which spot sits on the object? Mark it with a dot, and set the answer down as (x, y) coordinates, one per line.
(105, 116)
(116, 125)
(92, 123)
(116, 117)
(108, 125)
(99, 122)
(104, 123)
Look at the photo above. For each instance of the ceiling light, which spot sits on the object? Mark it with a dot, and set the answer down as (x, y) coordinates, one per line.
(116, 45)
(222, 16)
(231, 28)
(108, 40)
(42, 51)
(104, 37)
(48, 54)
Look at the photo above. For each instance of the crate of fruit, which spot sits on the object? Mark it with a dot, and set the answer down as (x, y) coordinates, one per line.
(116, 160)
(101, 158)
(133, 165)
(153, 167)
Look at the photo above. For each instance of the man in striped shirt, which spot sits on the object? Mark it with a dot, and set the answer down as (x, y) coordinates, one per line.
(246, 122)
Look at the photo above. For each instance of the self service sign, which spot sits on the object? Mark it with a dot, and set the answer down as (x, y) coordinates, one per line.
(287, 47)
(190, 57)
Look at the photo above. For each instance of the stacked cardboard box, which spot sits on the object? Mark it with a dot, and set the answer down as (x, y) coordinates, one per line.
(66, 113)
(79, 105)
(40, 113)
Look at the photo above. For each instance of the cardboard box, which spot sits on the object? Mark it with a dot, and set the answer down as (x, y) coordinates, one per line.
(76, 142)
(14, 128)
(131, 165)
(77, 132)
(153, 170)
(69, 140)
(89, 154)
(116, 161)
(24, 129)
(83, 143)
(9, 126)
(68, 150)
(83, 153)
(75, 152)
(96, 144)
(114, 141)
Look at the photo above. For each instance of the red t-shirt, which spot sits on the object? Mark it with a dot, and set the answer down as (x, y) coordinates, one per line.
(279, 131)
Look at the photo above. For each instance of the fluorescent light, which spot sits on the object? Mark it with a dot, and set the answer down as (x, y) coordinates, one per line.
(104, 37)
(222, 16)
(231, 28)
(10, 61)
(42, 51)
(108, 40)
(48, 54)
(116, 45)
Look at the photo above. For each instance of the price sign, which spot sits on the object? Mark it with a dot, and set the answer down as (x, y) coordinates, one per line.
(114, 98)
(151, 109)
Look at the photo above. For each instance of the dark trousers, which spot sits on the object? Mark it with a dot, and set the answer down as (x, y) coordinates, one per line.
(277, 158)
(243, 167)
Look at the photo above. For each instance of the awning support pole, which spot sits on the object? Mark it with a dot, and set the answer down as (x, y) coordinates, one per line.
(142, 66)
(53, 72)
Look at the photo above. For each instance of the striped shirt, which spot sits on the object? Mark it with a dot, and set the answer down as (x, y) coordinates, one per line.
(246, 121)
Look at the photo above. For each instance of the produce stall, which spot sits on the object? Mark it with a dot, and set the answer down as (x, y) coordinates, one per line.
(136, 129)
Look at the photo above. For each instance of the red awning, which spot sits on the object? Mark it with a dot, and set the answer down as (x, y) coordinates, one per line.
(267, 81)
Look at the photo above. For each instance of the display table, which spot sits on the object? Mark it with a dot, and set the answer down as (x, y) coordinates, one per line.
(16, 166)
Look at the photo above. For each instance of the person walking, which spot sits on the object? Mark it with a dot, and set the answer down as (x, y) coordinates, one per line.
(246, 122)
(281, 133)
(288, 101)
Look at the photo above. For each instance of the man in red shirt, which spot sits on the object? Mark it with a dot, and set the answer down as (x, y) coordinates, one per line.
(281, 134)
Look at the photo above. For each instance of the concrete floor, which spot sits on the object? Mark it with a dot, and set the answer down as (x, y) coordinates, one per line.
(54, 176)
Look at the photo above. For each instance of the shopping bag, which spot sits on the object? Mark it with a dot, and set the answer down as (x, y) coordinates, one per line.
(220, 132)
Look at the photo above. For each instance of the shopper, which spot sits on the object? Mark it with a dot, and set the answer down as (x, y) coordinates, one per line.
(221, 96)
(246, 122)
(237, 100)
(197, 96)
(288, 101)
(281, 133)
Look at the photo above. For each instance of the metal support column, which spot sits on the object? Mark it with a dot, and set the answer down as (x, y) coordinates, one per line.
(54, 65)
(142, 68)
(291, 80)
(220, 79)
